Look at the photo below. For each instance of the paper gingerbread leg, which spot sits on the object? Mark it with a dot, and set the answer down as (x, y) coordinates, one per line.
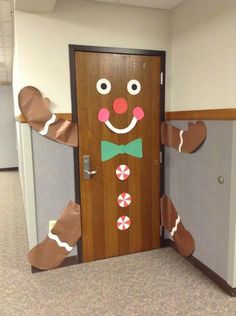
(35, 109)
(171, 221)
(183, 141)
(60, 240)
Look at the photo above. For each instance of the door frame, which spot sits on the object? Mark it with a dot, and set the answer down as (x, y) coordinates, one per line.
(112, 50)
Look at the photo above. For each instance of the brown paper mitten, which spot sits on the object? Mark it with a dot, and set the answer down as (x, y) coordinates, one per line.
(60, 240)
(171, 221)
(184, 141)
(35, 109)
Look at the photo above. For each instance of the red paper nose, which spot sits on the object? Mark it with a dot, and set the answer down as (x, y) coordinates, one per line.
(120, 105)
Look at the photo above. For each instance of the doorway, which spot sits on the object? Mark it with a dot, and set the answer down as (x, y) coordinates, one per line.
(118, 102)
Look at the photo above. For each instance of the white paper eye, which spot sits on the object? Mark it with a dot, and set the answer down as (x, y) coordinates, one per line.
(103, 86)
(134, 87)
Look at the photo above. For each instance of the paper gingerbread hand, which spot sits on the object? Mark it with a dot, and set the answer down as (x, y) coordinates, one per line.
(184, 141)
(35, 109)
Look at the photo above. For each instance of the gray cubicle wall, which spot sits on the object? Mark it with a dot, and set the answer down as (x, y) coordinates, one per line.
(191, 180)
(8, 152)
(54, 181)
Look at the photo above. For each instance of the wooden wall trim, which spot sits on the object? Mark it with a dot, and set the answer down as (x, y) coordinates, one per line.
(9, 169)
(211, 114)
(5, 83)
(65, 116)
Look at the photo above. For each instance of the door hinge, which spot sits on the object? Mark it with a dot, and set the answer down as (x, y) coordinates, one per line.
(161, 78)
(161, 157)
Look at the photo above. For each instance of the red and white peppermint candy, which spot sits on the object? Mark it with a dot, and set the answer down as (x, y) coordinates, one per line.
(123, 222)
(124, 199)
(122, 172)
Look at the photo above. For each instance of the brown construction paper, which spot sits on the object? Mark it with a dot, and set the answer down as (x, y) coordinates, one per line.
(183, 238)
(192, 139)
(48, 255)
(35, 109)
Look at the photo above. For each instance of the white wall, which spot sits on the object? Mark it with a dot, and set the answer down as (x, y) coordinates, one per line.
(41, 41)
(8, 154)
(203, 55)
(201, 34)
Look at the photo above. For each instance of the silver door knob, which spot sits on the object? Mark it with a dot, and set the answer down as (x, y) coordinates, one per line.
(87, 172)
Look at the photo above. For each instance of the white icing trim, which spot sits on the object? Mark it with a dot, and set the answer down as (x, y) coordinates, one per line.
(52, 120)
(181, 140)
(174, 229)
(122, 130)
(60, 243)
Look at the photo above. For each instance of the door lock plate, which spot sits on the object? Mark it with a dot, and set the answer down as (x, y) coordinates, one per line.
(86, 165)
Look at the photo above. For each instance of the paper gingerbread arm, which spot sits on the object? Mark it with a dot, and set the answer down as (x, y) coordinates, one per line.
(172, 222)
(183, 141)
(35, 109)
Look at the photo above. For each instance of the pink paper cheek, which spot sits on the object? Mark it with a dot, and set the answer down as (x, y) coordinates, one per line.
(138, 113)
(103, 115)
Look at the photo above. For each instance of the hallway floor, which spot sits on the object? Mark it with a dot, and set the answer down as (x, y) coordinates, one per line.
(158, 282)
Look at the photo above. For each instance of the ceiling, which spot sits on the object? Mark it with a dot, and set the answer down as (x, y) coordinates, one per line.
(37, 6)
(6, 40)
(157, 4)
(47, 6)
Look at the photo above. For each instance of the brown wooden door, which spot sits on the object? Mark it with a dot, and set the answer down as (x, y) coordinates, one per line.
(117, 96)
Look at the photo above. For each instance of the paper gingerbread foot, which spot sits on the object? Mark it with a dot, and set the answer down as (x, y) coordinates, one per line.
(184, 141)
(60, 241)
(35, 109)
(171, 221)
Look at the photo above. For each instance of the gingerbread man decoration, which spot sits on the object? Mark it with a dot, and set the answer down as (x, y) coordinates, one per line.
(60, 241)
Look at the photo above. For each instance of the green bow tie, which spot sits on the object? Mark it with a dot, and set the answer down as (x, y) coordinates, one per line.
(110, 150)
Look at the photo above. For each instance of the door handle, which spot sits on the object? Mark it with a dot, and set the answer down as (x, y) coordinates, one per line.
(91, 173)
(87, 172)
